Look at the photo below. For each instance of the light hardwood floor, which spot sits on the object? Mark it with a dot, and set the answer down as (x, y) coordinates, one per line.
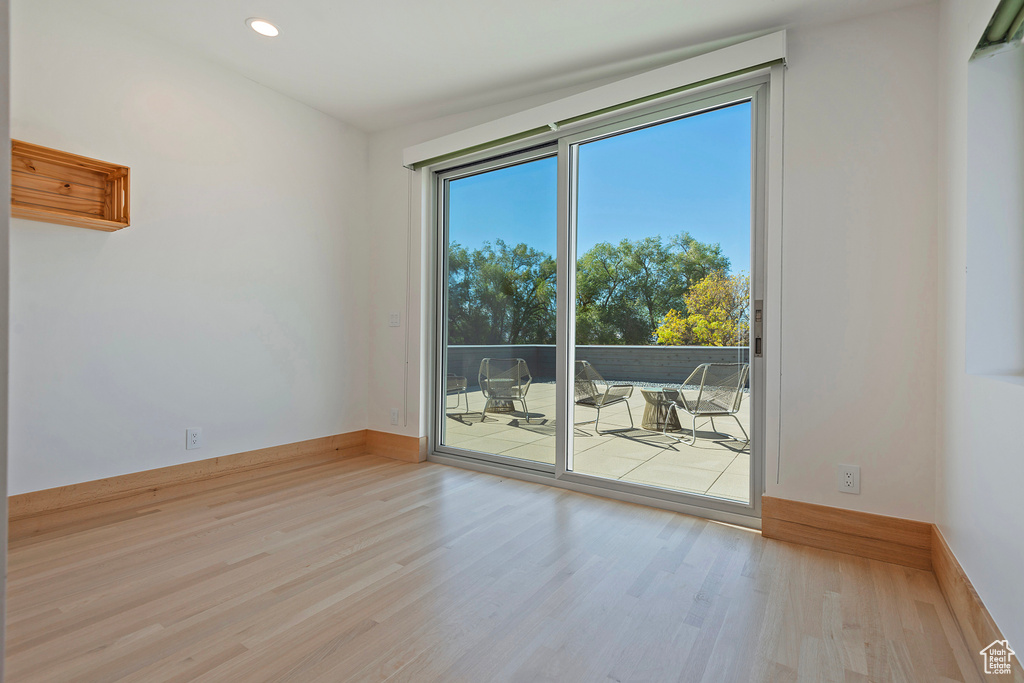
(369, 569)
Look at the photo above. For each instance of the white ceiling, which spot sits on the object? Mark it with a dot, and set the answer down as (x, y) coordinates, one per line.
(383, 63)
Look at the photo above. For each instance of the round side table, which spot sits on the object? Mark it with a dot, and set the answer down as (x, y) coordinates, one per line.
(657, 410)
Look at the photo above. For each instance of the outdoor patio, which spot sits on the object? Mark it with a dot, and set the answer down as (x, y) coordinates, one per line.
(714, 466)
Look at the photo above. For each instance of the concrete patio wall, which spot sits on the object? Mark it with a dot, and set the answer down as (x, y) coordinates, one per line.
(666, 364)
(465, 360)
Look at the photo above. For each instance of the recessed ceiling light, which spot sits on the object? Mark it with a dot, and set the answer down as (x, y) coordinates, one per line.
(262, 27)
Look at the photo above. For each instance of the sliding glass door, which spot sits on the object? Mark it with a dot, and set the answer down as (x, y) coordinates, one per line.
(662, 306)
(599, 305)
(498, 289)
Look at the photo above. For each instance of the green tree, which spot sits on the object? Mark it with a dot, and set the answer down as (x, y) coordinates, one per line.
(500, 294)
(696, 260)
(717, 314)
(605, 308)
(624, 290)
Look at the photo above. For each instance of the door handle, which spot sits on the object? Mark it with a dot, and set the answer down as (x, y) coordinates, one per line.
(758, 327)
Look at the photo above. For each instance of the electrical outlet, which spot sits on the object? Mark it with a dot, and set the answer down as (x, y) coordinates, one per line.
(395, 320)
(193, 439)
(394, 416)
(849, 479)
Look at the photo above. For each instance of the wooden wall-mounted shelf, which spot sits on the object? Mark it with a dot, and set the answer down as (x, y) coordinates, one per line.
(57, 187)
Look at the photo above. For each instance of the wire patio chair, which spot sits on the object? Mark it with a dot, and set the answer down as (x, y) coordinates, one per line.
(455, 385)
(719, 393)
(503, 381)
(592, 391)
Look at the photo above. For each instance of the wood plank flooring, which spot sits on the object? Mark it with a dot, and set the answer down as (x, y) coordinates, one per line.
(369, 569)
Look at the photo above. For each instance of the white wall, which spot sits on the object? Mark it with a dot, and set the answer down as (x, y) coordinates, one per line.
(980, 455)
(859, 262)
(859, 273)
(995, 229)
(234, 303)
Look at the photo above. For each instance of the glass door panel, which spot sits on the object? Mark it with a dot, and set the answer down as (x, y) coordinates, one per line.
(662, 305)
(498, 286)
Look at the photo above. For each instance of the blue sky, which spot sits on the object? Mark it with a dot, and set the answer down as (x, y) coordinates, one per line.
(692, 174)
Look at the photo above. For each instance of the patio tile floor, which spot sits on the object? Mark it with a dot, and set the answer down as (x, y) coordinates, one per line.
(713, 466)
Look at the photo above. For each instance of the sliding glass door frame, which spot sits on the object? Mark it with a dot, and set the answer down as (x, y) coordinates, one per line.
(443, 180)
(566, 145)
(568, 157)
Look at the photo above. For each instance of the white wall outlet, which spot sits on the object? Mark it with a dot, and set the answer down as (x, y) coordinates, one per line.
(395, 320)
(193, 439)
(394, 416)
(849, 478)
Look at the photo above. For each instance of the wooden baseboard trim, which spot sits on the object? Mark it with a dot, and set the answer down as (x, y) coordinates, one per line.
(40, 511)
(976, 624)
(47, 501)
(37, 512)
(889, 539)
(397, 446)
